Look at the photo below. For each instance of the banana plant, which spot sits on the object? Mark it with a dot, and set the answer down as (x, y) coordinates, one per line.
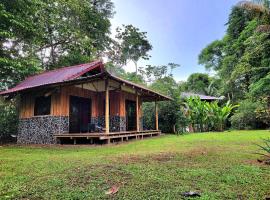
(207, 116)
(223, 113)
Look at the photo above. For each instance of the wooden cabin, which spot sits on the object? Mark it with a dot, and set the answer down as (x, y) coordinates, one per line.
(82, 103)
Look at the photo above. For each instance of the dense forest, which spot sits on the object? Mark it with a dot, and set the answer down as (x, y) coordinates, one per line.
(38, 35)
(242, 63)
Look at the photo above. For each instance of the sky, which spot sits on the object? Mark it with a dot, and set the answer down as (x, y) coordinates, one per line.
(177, 29)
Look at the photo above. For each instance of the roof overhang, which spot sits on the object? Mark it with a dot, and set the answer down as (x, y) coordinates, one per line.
(146, 94)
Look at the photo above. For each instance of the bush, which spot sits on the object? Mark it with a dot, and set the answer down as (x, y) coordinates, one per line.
(205, 116)
(170, 117)
(148, 116)
(8, 119)
(245, 116)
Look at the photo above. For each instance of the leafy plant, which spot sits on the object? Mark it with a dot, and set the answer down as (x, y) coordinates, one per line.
(249, 115)
(265, 148)
(205, 116)
(8, 119)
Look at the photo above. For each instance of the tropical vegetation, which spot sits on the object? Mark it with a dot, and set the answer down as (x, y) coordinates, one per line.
(207, 116)
(241, 61)
(265, 151)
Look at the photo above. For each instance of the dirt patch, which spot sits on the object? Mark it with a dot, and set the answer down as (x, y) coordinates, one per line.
(132, 159)
(264, 161)
(164, 157)
(253, 162)
(198, 152)
(108, 174)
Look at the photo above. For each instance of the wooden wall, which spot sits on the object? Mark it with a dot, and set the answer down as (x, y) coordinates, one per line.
(128, 96)
(60, 102)
(27, 103)
(79, 92)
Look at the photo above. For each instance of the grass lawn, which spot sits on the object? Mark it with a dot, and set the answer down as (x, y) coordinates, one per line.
(218, 165)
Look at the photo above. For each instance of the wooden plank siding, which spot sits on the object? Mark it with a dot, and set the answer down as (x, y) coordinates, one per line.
(132, 97)
(60, 101)
(68, 91)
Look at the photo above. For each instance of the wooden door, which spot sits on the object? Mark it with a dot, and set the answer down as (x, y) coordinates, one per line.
(79, 114)
(130, 115)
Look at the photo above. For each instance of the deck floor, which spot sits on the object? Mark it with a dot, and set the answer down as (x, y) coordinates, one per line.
(107, 137)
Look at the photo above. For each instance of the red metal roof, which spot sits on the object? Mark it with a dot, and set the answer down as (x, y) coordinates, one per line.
(70, 74)
(54, 76)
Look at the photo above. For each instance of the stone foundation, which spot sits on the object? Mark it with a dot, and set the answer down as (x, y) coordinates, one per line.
(40, 129)
(123, 124)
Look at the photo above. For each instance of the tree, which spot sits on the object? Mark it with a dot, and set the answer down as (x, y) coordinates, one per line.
(171, 117)
(156, 72)
(17, 31)
(73, 29)
(160, 79)
(8, 119)
(131, 45)
(38, 35)
(197, 83)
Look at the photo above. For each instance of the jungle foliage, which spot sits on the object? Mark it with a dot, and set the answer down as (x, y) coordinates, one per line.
(242, 63)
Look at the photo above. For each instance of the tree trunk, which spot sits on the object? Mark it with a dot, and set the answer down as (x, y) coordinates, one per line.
(136, 66)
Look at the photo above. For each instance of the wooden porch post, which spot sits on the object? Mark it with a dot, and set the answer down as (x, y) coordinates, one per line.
(137, 112)
(156, 111)
(107, 107)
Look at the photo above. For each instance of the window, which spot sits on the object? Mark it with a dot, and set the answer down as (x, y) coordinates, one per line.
(42, 106)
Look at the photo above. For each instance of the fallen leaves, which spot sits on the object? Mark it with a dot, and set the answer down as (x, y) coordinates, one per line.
(113, 190)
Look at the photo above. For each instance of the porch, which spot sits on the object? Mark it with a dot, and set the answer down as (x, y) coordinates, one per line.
(104, 112)
(104, 138)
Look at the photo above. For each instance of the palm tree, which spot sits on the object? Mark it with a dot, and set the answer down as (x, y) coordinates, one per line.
(256, 5)
(259, 7)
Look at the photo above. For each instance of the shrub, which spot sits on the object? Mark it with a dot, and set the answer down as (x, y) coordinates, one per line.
(8, 119)
(171, 118)
(263, 111)
(205, 116)
(245, 116)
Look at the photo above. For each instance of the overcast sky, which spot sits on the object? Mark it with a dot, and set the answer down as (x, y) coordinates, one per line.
(177, 29)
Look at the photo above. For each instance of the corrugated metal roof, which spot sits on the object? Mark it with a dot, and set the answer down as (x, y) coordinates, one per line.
(202, 97)
(54, 76)
(67, 75)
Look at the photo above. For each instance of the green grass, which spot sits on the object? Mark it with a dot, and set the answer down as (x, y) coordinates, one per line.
(218, 165)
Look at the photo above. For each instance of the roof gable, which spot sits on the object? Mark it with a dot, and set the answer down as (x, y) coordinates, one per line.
(56, 76)
(74, 75)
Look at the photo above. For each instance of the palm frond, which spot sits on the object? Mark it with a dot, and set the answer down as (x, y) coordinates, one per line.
(263, 29)
(256, 7)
